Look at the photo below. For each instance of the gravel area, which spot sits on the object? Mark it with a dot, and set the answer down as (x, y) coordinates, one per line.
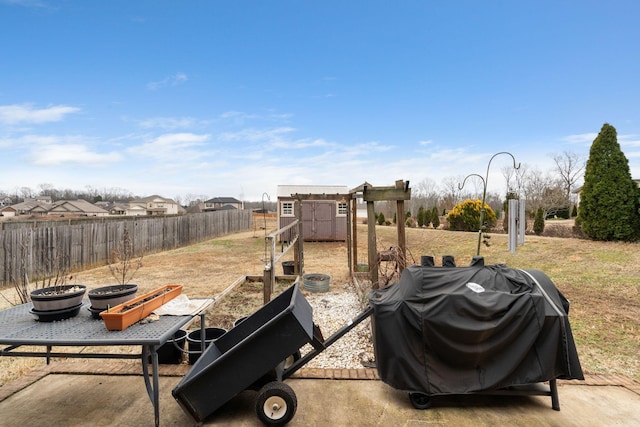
(331, 311)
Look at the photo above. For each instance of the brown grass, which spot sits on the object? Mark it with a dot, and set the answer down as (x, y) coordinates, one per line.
(599, 278)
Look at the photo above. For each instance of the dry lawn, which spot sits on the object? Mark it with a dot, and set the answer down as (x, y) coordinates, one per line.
(599, 278)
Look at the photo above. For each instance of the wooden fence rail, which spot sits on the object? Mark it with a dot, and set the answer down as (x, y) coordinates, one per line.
(89, 243)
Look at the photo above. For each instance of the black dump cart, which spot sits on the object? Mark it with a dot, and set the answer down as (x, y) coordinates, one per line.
(257, 354)
(472, 329)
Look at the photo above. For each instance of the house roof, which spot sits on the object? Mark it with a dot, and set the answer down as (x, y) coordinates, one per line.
(226, 208)
(77, 206)
(154, 198)
(223, 200)
(31, 205)
(288, 190)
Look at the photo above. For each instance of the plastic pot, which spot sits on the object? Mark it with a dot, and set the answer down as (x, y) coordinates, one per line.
(170, 353)
(194, 338)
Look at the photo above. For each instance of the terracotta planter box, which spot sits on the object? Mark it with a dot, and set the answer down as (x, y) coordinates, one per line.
(122, 316)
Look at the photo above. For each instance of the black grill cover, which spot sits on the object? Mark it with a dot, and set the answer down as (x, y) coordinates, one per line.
(456, 330)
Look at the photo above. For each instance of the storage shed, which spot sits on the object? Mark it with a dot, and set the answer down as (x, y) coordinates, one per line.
(324, 210)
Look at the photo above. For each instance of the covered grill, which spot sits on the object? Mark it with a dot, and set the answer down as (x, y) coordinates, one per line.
(458, 330)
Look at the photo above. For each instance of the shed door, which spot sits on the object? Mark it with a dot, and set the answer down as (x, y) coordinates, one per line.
(318, 220)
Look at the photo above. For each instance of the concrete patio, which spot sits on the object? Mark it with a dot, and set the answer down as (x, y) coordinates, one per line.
(98, 393)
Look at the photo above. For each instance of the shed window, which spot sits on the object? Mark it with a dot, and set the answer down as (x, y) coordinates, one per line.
(287, 209)
(342, 209)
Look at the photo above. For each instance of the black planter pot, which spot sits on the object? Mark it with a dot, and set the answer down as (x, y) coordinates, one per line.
(239, 320)
(110, 296)
(194, 338)
(57, 302)
(170, 353)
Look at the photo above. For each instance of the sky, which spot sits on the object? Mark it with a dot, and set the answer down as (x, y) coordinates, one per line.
(232, 98)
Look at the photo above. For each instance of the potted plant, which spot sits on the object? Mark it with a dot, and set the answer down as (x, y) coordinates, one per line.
(53, 299)
(123, 268)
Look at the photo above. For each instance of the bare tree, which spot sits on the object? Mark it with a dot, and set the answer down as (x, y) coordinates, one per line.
(569, 167)
(544, 191)
(424, 193)
(25, 193)
(534, 183)
(451, 193)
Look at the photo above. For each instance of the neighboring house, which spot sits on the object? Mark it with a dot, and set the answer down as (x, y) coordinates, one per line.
(118, 208)
(114, 208)
(218, 203)
(76, 207)
(136, 209)
(152, 205)
(42, 199)
(5, 201)
(7, 211)
(31, 207)
(324, 210)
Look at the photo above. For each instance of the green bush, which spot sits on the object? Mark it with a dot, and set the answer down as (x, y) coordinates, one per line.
(465, 216)
(381, 218)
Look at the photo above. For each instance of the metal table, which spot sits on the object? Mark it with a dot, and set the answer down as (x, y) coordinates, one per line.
(18, 327)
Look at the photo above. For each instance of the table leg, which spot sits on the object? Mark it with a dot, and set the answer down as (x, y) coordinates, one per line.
(555, 400)
(203, 333)
(153, 390)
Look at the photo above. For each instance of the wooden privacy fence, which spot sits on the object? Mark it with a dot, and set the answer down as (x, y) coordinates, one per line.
(88, 243)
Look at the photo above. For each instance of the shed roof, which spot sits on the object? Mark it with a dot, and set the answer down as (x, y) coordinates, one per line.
(288, 190)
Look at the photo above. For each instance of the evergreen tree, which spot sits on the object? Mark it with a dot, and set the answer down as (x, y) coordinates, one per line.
(427, 217)
(609, 198)
(420, 216)
(435, 218)
(538, 222)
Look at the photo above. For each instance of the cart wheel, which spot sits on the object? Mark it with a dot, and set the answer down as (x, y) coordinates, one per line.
(290, 360)
(420, 400)
(276, 403)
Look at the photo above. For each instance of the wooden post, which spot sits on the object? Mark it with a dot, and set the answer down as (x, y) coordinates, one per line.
(300, 245)
(266, 282)
(371, 243)
(349, 248)
(402, 240)
(354, 235)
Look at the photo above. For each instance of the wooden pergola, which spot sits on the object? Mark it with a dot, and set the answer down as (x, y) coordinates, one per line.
(370, 194)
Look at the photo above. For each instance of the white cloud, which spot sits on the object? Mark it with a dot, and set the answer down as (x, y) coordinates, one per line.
(629, 140)
(426, 142)
(25, 113)
(173, 146)
(583, 138)
(173, 80)
(274, 136)
(56, 154)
